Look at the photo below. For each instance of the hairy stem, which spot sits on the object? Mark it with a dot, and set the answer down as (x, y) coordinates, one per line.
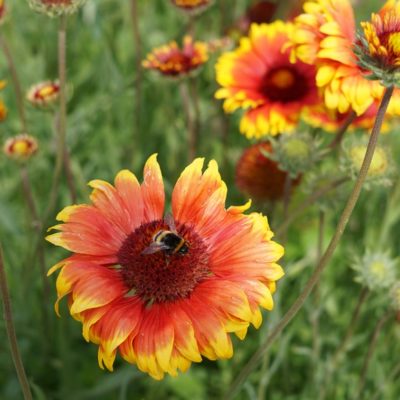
(12, 337)
(190, 116)
(16, 83)
(343, 221)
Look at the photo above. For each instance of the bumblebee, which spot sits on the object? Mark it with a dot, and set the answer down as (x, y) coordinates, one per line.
(167, 240)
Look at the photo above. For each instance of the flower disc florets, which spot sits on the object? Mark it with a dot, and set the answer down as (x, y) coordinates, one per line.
(379, 48)
(55, 8)
(375, 270)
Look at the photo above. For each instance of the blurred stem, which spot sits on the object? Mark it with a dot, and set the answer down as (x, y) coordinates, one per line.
(287, 190)
(342, 348)
(69, 175)
(316, 344)
(16, 83)
(28, 195)
(344, 219)
(342, 130)
(62, 118)
(391, 378)
(12, 337)
(139, 73)
(310, 201)
(371, 350)
(191, 109)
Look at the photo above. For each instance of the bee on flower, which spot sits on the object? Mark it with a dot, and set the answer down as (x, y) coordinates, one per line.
(21, 147)
(173, 61)
(43, 94)
(164, 291)
(259, 78)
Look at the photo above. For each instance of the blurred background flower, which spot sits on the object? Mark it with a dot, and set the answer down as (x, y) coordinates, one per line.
(21, 147)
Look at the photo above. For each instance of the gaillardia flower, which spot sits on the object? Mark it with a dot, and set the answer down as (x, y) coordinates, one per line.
(192, 6)
(165, 291)
(55, 8)
(259, 176)
(259, 77)
(43, 94)
(172, 61)
(21, 147)
(325, 36)
(380, 47)
(3, 108)
(3, 10)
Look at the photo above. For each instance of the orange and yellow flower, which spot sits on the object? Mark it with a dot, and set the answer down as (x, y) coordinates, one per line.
(172, 61)
(324, 36)
(43, 94)
(3, 108)
(381, 51)
(3, 10)
(259, 77)
(332, 120)
(163, 310)
(260, 177)
(192, 5)
(21, 147)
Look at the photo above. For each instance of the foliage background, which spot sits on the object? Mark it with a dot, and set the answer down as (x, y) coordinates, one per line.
(106, 134)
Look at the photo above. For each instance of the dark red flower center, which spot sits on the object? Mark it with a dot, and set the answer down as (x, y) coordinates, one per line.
(284, 84)
(163, 276)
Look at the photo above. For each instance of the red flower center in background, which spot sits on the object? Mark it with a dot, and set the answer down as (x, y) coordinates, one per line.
(162, 277)
(284, 84)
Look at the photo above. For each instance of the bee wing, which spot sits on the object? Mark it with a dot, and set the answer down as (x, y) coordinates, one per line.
(169, 220)
(154, 248)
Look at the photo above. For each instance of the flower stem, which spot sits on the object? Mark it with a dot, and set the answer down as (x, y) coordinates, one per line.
(12, 337)
(344, 219)
(17, 85)
(191, 118)
(342, 348)
(308, 202)
(62, 118)
(139, 72)
(342, 130)
(370, 353)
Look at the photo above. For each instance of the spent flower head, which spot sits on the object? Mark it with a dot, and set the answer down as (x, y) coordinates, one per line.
(295, 153)
(56, 8)
(259, 176)
(382, 167)
(375, 270)
(379, 48)
(21, 147)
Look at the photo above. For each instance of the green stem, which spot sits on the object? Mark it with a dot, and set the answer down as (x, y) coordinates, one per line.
(62, 119)
(344, 219)
(370, 353)
(16, 83)
(308, 202)
(342, 348)
(12, 337)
